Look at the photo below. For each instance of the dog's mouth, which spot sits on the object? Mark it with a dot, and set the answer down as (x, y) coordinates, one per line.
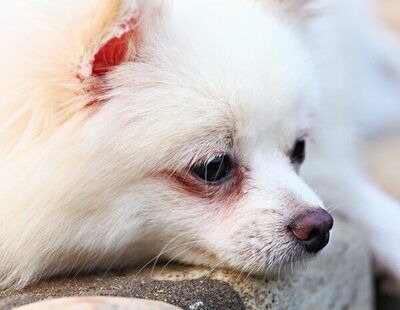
(306, 235)
(270, 265)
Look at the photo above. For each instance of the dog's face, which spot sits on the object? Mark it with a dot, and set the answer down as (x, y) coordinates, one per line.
(181, 133)
(211, 124)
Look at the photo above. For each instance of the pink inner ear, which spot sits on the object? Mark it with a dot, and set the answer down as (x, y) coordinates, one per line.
(113, 53)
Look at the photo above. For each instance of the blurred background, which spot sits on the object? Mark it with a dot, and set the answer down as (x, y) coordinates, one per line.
(389, 12)
(381, 151)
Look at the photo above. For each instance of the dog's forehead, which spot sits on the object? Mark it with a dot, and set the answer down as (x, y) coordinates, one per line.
(211, 72)
(248, 58)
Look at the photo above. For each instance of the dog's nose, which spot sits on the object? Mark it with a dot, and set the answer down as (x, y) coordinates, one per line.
(312, 229)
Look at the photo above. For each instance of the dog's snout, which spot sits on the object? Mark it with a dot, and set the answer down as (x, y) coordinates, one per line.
(312, 229)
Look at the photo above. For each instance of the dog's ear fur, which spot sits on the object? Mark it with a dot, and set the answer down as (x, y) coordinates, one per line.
(293, 6)
(53, 64)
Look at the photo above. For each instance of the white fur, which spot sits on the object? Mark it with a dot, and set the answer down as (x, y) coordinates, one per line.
(89, 187)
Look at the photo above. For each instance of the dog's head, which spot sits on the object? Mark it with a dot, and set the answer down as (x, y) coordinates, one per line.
(198, 119)
(213, 113)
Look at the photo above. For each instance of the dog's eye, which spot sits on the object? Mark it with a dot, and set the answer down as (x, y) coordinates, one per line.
(215, 171)
(298, 152)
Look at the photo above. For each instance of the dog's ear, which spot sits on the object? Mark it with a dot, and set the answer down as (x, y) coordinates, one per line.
(55, 67)
(117, 38)
(118, 44)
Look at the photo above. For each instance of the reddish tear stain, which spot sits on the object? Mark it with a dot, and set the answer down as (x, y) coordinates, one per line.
(188, 184)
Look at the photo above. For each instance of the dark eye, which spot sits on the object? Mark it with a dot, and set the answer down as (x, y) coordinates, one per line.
(215, 171)
(298, 152)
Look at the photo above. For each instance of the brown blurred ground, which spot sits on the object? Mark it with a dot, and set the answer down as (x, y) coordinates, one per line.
(382, 159)
(382, 154)
(389, 11)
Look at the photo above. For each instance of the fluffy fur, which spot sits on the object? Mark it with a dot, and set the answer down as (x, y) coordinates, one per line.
(91, 167)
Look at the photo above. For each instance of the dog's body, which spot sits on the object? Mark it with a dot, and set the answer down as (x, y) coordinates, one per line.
(112, 110)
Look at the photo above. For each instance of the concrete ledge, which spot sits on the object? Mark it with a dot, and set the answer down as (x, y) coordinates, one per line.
(339, 278)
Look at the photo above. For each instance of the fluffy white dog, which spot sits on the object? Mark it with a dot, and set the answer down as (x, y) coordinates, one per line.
(131, 128)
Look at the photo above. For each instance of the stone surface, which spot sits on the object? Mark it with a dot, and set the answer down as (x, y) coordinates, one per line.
(339, 278)
(210, 294)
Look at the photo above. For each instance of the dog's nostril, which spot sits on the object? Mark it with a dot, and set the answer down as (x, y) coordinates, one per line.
(313, 234)
(312, 229)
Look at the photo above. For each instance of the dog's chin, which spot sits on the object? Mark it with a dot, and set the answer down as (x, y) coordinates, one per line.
(284, 267)
(280, 263)
(274, 267)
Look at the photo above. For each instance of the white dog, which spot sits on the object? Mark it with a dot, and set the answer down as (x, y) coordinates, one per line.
(131, 128)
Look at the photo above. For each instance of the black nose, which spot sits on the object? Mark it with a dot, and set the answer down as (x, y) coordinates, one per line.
(312, 229)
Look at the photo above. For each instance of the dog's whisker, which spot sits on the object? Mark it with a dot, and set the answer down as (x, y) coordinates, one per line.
(215, 267)
(178, 254)
(163, 250)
